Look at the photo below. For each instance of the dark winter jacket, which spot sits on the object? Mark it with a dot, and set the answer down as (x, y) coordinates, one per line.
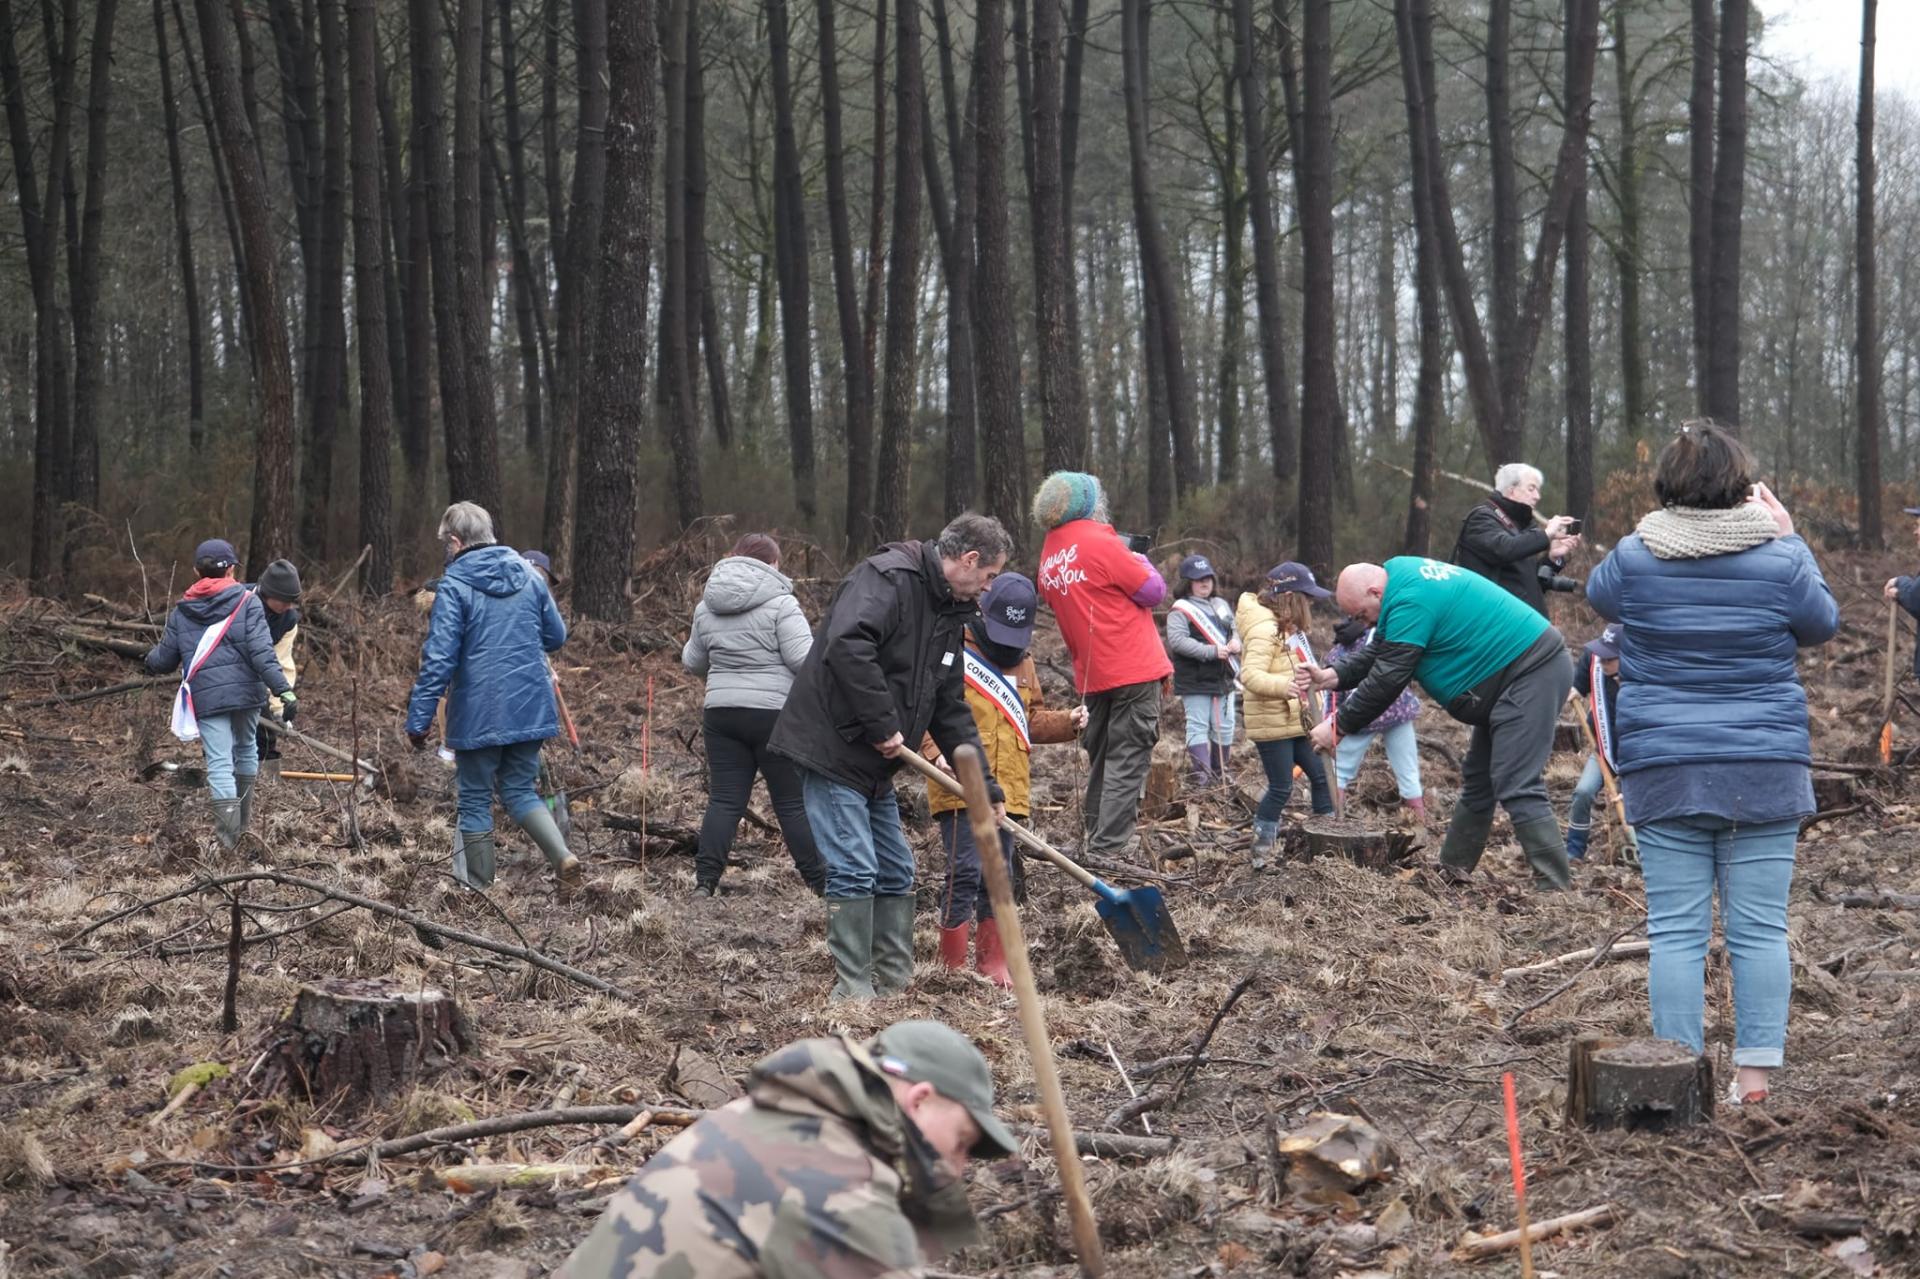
(493, 623)
(1199, 668)
(1707, 651)
(1498, 540)
(1909, 589)
(885, 660)
(238, 674)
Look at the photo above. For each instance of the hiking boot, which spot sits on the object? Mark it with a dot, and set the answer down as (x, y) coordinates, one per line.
(953, 945)
(1466, 840)
(850, 942)
(1540, 841)
(473, 858)
(227, 822)
(705, 890)
(1202, 757)
(1264, 835)
(988, 956)
(545, 832)
(1577, 842)
(892, 944)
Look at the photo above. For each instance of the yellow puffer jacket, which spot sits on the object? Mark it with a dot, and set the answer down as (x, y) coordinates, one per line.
(1266, 672)
(1008, 762)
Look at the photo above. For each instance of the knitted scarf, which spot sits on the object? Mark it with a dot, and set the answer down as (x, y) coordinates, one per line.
(1690, 533)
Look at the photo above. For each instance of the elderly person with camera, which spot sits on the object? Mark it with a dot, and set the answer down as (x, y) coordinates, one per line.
(1715, 596)
(1103, 591)
(1498, 539)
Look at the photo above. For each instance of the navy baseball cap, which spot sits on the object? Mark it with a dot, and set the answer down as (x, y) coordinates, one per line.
(1291, 575)
(1009, 607)
(1606, 646)
(1910, 510)
(1196, 567)
(215, 553)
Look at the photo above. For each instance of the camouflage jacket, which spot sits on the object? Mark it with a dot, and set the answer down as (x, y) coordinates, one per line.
(815, 1174)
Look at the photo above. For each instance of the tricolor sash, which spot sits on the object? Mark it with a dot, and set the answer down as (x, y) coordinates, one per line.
(1209, 626)
(1597, 709)
(984, 678)
(1301, 649)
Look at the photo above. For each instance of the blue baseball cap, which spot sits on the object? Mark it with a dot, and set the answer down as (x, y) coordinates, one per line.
(1009, 607)
(1196, 568)
(216, 554)
(1606, 646)
(1290, 575)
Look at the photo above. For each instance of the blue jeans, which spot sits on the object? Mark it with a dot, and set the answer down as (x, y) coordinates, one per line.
(227, 741)
(1684, 859)
(1209, 718)
(860, 838)
(964, 898)
(1278, 758)
(511, 769)
(1403, 753)
(1580, 812)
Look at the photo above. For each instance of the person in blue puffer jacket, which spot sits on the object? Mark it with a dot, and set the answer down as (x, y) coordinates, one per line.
(1715, 595)
(492, 625)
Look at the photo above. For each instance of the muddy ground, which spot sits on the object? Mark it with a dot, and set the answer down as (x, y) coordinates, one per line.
(1380, 995)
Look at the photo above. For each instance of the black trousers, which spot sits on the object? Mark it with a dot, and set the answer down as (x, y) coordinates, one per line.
(736, 738)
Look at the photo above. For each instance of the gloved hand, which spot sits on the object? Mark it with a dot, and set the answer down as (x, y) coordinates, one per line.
(287, 708)
(419, 740)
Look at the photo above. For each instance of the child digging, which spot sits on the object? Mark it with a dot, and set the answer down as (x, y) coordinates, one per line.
(1394, 728)
(1601, 664)
(1205, 652)
(1003, 692)
(218, 632)
(1274, 624)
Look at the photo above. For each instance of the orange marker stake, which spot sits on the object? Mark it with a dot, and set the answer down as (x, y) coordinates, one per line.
(646, 734)
(1519, 1175)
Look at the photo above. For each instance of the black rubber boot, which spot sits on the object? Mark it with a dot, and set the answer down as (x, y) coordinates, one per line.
(1540, 841)
(1466, 839)
(243, 784)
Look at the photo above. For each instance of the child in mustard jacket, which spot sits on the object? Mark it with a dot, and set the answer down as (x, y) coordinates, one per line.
(1273, 626)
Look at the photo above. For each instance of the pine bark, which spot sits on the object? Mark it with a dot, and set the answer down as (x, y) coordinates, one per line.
(1577, 304)
(329, 323)
(893, 473)
(1251, 72)
(1503, 309)
(961, 471)
(859, 392)
(677, 318)
(1319, 402)
(1729, 200)
(1700, 191)
(474, 309)
(708, 334)
(1064, 429)
(1866, 296)
(1003, 451)
(613, 400)
(1629, 248)
(1416, 76)
(370, 300)
(183, 241)
(85, 287)
(424, 34)
(523, 281)
(790, 264)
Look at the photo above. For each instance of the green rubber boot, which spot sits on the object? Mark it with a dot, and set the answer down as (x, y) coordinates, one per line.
(1466, 839)
(243, 784)
(1540, 841)
(850, 942)
(892, 944)
(539, 824)
(227, 822)
(473, 857)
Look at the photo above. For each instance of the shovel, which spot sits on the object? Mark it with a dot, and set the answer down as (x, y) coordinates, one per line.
(1136, 918)
(1893, 642)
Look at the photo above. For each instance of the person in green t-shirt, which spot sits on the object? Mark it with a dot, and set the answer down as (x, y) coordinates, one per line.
(1493, 663)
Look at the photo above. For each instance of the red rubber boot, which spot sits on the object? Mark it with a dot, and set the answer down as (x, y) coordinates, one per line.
(987, 955)
(953, 946)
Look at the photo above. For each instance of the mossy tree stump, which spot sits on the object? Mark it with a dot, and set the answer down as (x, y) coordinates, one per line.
(357, 1043)
(1643, 1085)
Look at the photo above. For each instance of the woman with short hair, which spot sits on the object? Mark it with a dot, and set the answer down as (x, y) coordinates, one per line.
(1498, 539)
(1715, 595)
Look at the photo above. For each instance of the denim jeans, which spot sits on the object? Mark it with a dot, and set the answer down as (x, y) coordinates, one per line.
(1684, 859)
(859, 837)
(1209, 718)
(1580, 812)
(227, 741)
(1278, 758)
(963, 898)
(511, 769)
(1403, 754)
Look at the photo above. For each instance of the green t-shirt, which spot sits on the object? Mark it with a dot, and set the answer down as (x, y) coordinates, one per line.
(1468, 626)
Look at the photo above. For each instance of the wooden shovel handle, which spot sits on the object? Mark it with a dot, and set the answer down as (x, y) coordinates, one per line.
(939, 777)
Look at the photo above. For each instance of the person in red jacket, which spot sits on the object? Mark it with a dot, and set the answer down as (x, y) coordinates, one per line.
(1103, 593)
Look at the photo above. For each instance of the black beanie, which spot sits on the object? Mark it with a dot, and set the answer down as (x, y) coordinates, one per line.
(281, 581)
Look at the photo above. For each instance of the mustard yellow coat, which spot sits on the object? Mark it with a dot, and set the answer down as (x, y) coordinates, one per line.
(1008, 762)
(1272, 712)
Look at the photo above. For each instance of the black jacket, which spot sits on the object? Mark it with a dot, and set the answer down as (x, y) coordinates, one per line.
(885, 660)
(1498, 540)
(237, 674)
(1909, 595)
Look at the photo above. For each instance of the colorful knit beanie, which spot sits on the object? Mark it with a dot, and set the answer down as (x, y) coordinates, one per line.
(1065, 496)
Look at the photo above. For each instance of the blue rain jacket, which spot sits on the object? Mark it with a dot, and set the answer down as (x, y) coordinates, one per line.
(493, 623)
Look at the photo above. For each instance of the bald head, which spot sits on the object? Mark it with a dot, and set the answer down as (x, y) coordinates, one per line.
(1359, 590)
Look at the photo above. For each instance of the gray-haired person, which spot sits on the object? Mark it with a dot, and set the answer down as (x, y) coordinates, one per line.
(884, 671)
(1498, 539)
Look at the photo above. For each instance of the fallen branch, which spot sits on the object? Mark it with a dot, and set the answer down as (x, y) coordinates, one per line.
(1199, 1049)
(1878, 901)
(1156, 1099)
(1479, 1248)
(1858, 770)
(126, 686)
(1832, 813)
(1600, 953)
(467, 1179)
(1625, 950)
(419, 923)
(126, 648)
(1104, 1145)
(332, 752)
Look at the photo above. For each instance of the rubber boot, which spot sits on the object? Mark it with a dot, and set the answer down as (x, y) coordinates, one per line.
(988, 957)
(953, 945)
(1202, 757)
(1466, 840)
(543, 830)
(243, 784)
(1264, 835)
(474, 851)
(850, 942)
(1577, 842)
(226, 822)
(892, 944)
(1540, 841)
(1418, 807)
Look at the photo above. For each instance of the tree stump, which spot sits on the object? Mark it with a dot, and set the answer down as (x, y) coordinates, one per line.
(357, 1043)
(1642, 1085)
(1832, 791)
(1568, 739)
(1163, 784)
(1327, 836)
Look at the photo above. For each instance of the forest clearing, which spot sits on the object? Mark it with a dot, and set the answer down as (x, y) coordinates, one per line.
(1388, 996)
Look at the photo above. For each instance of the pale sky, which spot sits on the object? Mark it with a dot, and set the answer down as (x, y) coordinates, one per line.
(1821, 38)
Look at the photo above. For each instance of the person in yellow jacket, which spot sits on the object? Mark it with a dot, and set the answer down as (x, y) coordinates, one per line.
(1273, 627)
(1003, 692)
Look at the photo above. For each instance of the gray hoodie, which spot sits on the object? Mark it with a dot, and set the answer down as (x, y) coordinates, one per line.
(749, 635)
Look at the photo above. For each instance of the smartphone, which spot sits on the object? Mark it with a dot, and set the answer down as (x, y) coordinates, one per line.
(1573, 526)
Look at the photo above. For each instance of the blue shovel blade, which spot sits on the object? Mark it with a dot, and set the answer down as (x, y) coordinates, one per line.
(1141, 927)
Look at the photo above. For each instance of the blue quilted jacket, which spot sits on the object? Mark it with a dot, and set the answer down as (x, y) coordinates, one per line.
(1707, 651)
(492, 626)
(240, 670)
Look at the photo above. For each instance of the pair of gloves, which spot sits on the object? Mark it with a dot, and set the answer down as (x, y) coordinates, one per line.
(288, 704)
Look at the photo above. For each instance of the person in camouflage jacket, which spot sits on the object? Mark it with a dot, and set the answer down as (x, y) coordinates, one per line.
(843, 1161)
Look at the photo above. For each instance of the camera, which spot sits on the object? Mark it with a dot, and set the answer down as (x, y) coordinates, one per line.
(1138, 543)
(1552, 581)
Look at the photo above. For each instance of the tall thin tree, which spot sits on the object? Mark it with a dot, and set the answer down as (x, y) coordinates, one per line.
(893, 471)
(1577, 303)
(474, 309)
(678, 319)
(85, 286)
(370, 299)
(1729, 201)
(853, 359)
(183, 240)
(1700, 190)
(1416, 75)
(790, 264)
(1003, 448)
(1251, 72)
(1064, 428)
(1867, 294)
(1319, 403)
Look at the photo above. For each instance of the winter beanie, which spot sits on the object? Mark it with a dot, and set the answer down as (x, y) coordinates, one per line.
(280, 580)
(1065, 496)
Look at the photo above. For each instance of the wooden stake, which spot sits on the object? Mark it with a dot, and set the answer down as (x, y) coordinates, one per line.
(1480, 1248)
(1618, 804)
(1033, 1022)
(295, 775)
(1886, 717)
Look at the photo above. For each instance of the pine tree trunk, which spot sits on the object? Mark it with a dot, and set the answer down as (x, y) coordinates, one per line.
(1003, 446)
(1416, 74)
(1729, 202)
(1629, 248)
(893, 474)
(1064, 430)
(1233, 298)
(859, 427)
(424, 34)
(183, 242)
(402, 379)
(1866, 296)
(85, 286)
(1251, 72)
(474, 307)
(370, 299)
(1319, 403)
(613, 395)
(790, 263)
(1503, 299)
(1577, 305)
(677, 319)
(524, 282)
(329, 324)
(1700, 192)
(708, 335)
(961, 471)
